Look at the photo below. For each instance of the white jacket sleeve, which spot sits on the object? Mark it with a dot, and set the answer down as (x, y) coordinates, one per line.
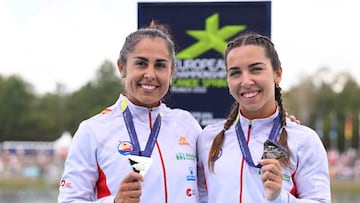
(312, 174)
(78, 183)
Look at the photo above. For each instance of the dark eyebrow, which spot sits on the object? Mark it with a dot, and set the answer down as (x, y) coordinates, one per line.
(139, 57)
(234, 67)
(145, 59)
(255, 64)
(161, 60)
(250, 66)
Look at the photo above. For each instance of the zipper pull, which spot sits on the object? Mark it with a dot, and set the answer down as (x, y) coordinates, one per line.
(250, 124)
(150, 117)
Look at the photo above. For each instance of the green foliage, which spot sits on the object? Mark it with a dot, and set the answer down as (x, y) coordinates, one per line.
(93, 97)
(15, 101)
(25, 116)
(322, 96)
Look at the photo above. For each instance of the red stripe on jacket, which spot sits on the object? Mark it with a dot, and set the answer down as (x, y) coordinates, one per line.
(293, 190)
(101, 186)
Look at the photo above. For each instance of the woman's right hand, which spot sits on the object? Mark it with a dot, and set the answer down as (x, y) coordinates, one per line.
(130, 189)
(271, 176)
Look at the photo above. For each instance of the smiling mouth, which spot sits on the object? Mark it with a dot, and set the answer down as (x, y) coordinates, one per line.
(148, 87)
(250, 94)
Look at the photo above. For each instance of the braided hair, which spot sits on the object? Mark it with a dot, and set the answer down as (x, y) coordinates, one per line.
(270, 52)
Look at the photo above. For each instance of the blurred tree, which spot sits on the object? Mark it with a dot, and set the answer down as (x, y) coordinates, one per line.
(92, 98)
(348, 104)
(323, 96)
(15, 105)
(26, 116)
(324, 103)
(48, 115)
(300, 100)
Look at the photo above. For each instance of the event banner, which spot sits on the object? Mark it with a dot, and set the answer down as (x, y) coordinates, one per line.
(201, 31)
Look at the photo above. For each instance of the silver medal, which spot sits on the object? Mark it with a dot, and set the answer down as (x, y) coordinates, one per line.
(273, 150)
(140, 164)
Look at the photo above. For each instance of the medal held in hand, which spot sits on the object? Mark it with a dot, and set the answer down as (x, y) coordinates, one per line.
(139, 160)
(273, 150)
(140, 164)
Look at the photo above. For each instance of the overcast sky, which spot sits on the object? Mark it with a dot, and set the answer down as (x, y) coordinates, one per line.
(65, 41)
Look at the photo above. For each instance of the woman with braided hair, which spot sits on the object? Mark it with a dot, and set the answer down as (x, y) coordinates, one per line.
(258, 155)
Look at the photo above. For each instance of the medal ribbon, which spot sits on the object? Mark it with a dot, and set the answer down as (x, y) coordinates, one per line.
(244, 146)
(132, 133)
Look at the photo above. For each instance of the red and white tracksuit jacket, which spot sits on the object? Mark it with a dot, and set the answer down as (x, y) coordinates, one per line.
(236, 181)
(96, 165)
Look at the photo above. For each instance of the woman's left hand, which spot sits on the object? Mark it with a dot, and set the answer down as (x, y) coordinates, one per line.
(271, 176)
(293, 118)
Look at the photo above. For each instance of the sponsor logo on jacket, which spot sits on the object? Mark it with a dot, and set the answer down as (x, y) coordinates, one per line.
(125, 147)
(65, 183)
(183, 141)
(185, 156)
(191, 176)
(190, 192)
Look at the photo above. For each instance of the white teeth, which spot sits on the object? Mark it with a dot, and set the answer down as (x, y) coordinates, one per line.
(148, 87)
(248, 95)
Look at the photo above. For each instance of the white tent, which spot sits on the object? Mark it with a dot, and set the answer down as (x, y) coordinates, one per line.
(62, 144)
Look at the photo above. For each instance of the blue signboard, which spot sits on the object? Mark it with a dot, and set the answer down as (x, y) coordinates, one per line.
(201, 31)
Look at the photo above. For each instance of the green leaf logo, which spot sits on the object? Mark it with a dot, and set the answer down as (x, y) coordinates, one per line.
(210, 38)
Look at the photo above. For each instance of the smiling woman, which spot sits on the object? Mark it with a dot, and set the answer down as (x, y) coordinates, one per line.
(147, 76)
(120, 154)
(257, 123)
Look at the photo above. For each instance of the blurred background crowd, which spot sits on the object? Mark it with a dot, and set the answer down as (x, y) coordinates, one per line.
(44, 160)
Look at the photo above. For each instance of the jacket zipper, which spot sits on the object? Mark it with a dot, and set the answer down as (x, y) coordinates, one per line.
(243, 161)
(161, 158)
